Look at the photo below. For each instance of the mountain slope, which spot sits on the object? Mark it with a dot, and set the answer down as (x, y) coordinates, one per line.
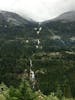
(12, 18)
(61, 30)
(67, 16)
(49, 46)
(53, 33)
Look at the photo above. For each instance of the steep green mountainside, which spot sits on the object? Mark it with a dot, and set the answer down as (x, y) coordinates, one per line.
(60, 34)
(52, 52)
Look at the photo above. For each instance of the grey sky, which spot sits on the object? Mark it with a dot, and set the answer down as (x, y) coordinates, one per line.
(39, 10)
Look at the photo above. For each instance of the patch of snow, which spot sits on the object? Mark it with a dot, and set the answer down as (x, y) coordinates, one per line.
(35, 29)
(11, 19)
(27, 41)
(69, 52)
(37, 46)
(40, 28)
(38, 32)
(14, 21)
(5, 26)
(72, 38)
(56, 37)
(38, 41)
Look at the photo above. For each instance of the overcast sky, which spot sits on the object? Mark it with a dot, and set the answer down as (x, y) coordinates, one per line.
(39, 10)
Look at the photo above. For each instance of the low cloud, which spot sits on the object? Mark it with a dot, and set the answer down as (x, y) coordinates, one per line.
(39, 10)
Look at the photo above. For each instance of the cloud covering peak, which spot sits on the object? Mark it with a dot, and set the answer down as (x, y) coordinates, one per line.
(39, 10)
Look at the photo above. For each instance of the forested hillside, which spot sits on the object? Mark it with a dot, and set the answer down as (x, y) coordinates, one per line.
(50, 46)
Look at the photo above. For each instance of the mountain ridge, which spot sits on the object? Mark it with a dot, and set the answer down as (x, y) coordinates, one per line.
(67, 16)
(64, 17)
(14, 18)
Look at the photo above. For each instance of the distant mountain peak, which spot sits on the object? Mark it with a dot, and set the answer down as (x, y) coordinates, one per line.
(67, 16)
(13, 18)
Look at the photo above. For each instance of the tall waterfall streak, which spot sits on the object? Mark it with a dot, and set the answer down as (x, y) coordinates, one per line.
(32, 75)
(38, 41)
(31, 63)
(38, 34)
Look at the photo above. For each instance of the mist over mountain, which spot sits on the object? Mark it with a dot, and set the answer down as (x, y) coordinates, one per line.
(64, 17)
(17, 19)
(13, 18)
(67, 16)
(57, 31)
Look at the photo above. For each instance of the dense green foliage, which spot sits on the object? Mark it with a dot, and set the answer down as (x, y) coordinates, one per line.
(24, 92)
(53, 63)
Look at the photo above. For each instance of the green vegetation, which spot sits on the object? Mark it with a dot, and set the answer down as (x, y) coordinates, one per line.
(52, 69)
(53, 63)
(24, 92)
